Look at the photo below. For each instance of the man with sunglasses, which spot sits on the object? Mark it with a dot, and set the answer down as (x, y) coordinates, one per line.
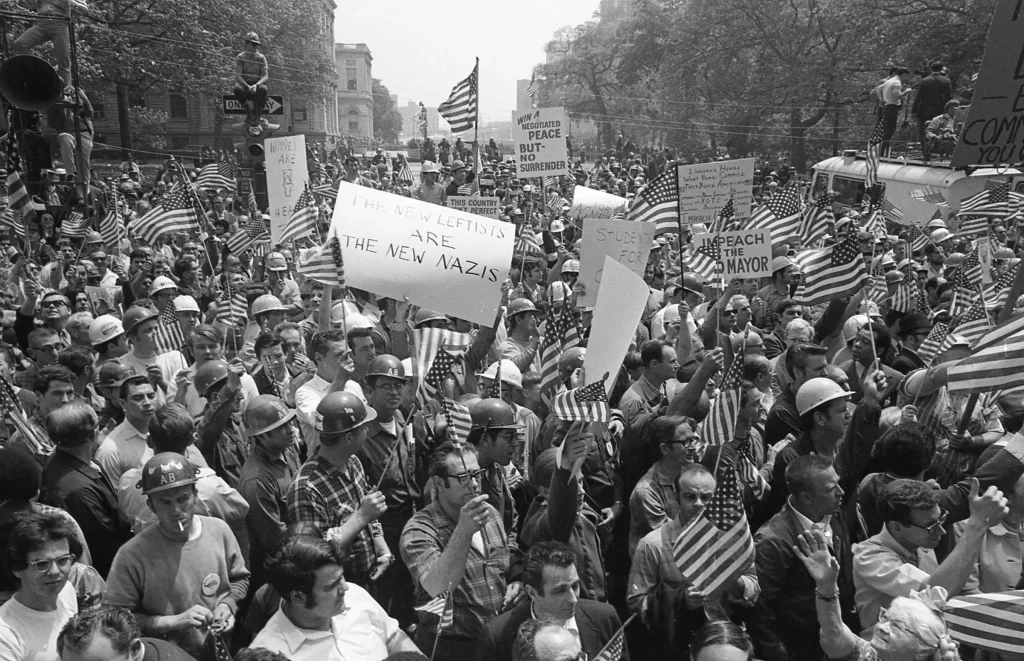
(53, 312)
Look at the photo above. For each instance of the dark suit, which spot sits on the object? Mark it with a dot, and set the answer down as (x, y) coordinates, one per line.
(857, 389)
(907, 361)
(932, 94)
(597, 623)
(262, 379)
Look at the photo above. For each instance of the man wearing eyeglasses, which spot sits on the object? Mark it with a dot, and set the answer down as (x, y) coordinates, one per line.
(53, 312)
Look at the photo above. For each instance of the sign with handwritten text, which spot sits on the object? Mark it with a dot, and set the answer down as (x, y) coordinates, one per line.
(440, 258)
(481, 206)
(590, 203)
(745, 254)
(704, 188)
(625, 241)
(287, 175)
(540, 142)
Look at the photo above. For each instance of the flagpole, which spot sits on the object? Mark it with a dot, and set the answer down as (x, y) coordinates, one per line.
(622, 629)
(437, 635)
(476, 124)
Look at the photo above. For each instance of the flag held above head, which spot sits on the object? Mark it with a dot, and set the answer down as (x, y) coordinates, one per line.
(461, 109)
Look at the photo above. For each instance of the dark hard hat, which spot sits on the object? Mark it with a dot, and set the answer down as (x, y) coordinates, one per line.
(340, 412)
(493, 414)
(167, 470)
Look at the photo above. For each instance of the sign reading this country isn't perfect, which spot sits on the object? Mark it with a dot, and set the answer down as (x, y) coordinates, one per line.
(745, 254)
(540, 142)
(481, 206)
(704, 188)
(287, 175)
(440, 258)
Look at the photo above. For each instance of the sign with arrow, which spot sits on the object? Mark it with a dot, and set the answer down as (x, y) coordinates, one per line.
(234, 105)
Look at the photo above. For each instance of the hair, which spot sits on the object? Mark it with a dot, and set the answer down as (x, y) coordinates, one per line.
(782, 306)
(696, 468)
(133, 381)
(115, 623)
(181, 265)
(926, 631)
(798, 355)
(72, 425)
(531, 379)
(207, 332)
(140, 253)
(662, 429)
(263, 654)
(801, 471)
(652, 350)
(77, 321)
(322, 340)
(357, 332)
(292, 565)
(899, 498)
(439, 459)
(545, 554)
(754, 366)
(41, 334)
(800, 324)
(524, 648)
(171, 429)
(265, 341)
(883, 337)
(284, 326)
(633, 361)
(76, 358)
(905, 450)
(20, 474)
(720, 632)
(34, 531)
(49, 374)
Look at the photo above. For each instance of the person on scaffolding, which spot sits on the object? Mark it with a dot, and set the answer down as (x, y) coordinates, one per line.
(251, 74)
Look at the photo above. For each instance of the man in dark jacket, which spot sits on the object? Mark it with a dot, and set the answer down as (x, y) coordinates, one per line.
(913, 330)
(933, 91)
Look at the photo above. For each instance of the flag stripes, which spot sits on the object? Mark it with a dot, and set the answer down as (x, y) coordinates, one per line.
(996, 361)
(460, 110)
(658, 203)
(991, 621)
(830, 272)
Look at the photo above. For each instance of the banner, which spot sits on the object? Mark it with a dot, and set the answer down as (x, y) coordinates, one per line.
(590, 203)
(441, 259)
(745, 254)
(626, 242)
(287, 175)
(540, 142)
(481, 206)
(991, 134)
(704, 188)
(622, 300)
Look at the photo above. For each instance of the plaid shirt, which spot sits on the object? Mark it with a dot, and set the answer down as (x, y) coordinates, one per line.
(478, 597)
(325, 497)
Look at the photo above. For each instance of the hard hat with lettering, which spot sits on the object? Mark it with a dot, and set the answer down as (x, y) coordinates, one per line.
(275, 261)
(210, 374)
(167, 470)
(510, 374)
(104, 328)
(340, 412)
(816, 392)
(266, 413)
(136, 315)
(386, 366)
(571, 266)
(493, 413)
(161, 283)
(186, 303)
(267, 303)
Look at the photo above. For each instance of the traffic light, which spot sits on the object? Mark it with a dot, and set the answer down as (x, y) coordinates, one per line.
(253, 136)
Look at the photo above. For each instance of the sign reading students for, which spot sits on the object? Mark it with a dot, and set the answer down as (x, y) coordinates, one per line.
(540, 142)
(745, 254)
(286, 178)
(704, 188)
(992, 131)
(440, 258)
(626, 242)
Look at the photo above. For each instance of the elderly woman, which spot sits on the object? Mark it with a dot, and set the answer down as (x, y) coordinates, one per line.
(908, 630)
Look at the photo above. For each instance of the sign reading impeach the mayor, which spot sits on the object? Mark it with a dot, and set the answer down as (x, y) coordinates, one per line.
(540, 143)
(440, 258)
(745, 254)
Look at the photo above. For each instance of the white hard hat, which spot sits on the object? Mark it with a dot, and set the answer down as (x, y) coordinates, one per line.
(160, 283)
(816, 392)
(350, 318)
(510, 374)
(940, 235)
(853, 325)
(104, 328)
(267, 303)
(186, 303)
(429, 166)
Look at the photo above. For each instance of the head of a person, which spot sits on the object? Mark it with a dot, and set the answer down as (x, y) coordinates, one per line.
(207, 343)
(814, 486)
(43, 346)
(73, 427)
(386, 383)
(54, 309)
(306, 571)
(291, 339)
(546, 639)
(111, 634)
(783, 271)
(360, 343)
(786, 311)
(748, 343)
(951, 107)
(659, 359)
(330, 350)
(758, 371)
(740, 306)
(138, 398)
(551, 580)
(911, 512)
(77, 327)
(675, 438)
(906, 450)
(533, 271)
(270, 351)
(822, 405)
(20, 475)
(908, 630)
(721, 640)
(695, 486)
(455, 474)
(805, 361)
(40, 551)
(872, 341)
(797, 331)
(169, 484)
(171, 429)
(55, 387)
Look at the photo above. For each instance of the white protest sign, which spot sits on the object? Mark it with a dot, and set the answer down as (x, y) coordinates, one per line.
(704, 188)
(481, 206)
(745, 254)
(540, 142)
(590, 203)
(287, 175)
(626, 242)
(620, 303)
(985, 257)
(442, 259)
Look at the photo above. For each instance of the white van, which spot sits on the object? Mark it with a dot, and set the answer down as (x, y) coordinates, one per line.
(846, 175)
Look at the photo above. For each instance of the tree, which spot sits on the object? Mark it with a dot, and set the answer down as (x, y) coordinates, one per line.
(387, 121)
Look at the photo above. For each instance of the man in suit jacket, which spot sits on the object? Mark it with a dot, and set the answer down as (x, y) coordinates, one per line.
(269, 351)
(933, 91)
(912, 330)
(864, 357)
(553, 585)
(784, 625)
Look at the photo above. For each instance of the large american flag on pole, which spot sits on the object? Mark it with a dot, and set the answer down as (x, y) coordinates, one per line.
(460, 110)
(217, 176)
(814, 225)
(302, 222)
(997, 361)
(830, 272)
(561, 334)
(658, 203)
(780, 214)
(974, 323)
(324, 264)
(993, 201)
(874, 153)
(706, 258)
(175, 213)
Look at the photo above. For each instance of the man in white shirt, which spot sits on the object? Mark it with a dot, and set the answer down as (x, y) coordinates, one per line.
(890, 95)
(124, 447)
(140, 325)
(331, 355)
(323, 618)
(207, 344)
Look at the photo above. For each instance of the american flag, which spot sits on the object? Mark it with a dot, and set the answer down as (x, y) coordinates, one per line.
(715, 550)
(906, 292)
(526, 244)
(404, 174)
(175, 213)
(780, 214)
(892, 212)
(875, 224)
(217, 176)
(874, 153)
(612, 651)
(830, 272)
(439, 370)
(328, 190)
(303, 220)
(953, 223)
(111, 226)
(460, 422)
(531, 89)
(555, 202)
(460, 110)
(589, 404)
(973, 225)
(232, 306)
(718, 427)
(658, 203)
(168, 335)
(933, 344)
(996, 361)
(879, 290)
(324, 264)
(318, 173)
(561, 334)
(918, 239)
(8, 218)
(706, 258)
(10, 408)
(17, 195)
(442, 607)
(254, 207)
(426, 342)
(75, 226)
(974, 323)
(930, 195)
(253, 232)
(967, 276)
(997, 293)
(991, 621)
(814, 225)
(993, 201)
(331, 144)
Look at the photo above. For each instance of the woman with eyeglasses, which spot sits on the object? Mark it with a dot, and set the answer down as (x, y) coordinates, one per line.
(40, 552)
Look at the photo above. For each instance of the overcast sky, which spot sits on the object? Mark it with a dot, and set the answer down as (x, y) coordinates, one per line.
(412, 43)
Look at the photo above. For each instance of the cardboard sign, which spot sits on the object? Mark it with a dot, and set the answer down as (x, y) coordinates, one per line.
(102, 298)
(440, 258)
(745, 254)
(620, 303)
(590, 203)
(704, 188)
(991, 134)
(985, 257)
(481, 206)
(626, 242)
(287, 175)
(540, 142)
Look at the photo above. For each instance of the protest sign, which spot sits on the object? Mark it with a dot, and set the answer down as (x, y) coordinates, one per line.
(985, 257)
(481, 206)
(745, 254)
(103, 299)
(620, 303)
(442, 259)
(626, 242)
(540, 142)
(287, 176)
(590, 203)
(991, 133)
(704, 188)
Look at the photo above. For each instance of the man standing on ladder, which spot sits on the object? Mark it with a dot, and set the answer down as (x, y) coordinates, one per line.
(251, 74)
(51, 26)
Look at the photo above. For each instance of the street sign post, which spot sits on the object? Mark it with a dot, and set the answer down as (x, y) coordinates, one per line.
(234, 105)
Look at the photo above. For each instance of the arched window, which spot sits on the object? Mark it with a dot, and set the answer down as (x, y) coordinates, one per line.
(353, 120)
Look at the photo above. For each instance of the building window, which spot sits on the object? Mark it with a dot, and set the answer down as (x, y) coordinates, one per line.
(179, 142)
(353, 121)
(178, 106)
(353, 82)
(298, 114)
(98, 109)
(136, 100)
(351, 64)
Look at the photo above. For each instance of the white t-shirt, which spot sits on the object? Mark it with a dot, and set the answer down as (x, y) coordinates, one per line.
(30, 635)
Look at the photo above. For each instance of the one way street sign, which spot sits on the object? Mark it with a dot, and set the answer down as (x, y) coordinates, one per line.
(233, 105)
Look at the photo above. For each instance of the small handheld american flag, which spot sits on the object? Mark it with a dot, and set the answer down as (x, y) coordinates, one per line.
(587, 404)
(612, 651)
(441, 606)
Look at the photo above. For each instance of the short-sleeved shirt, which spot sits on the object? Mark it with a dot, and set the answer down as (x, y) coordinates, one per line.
(884, 570)
(121, 451)
(652, 504)
(31, 635)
